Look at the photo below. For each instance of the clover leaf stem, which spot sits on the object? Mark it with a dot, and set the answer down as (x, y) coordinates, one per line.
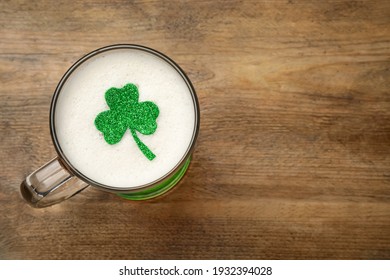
(144, 149)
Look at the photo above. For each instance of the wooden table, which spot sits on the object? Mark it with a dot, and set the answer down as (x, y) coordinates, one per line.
(293, 157)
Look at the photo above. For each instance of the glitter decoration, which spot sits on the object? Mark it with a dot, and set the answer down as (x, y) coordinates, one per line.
(127, 113)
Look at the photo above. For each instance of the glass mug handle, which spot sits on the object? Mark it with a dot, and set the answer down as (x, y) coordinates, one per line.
(50, 184)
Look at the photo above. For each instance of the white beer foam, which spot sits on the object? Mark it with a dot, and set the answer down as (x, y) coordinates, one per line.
(123, 165)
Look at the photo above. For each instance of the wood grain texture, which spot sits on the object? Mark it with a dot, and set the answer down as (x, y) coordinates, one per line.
(293, 157)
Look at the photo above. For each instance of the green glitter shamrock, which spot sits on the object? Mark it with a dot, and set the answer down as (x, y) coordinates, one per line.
(127, 113)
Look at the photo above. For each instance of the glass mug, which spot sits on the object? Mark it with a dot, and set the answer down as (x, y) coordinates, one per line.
(123, 119)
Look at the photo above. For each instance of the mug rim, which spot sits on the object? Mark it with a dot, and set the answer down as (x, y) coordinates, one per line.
(64, 160)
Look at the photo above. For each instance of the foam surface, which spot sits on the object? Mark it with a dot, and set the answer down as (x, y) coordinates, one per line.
(81, 99)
